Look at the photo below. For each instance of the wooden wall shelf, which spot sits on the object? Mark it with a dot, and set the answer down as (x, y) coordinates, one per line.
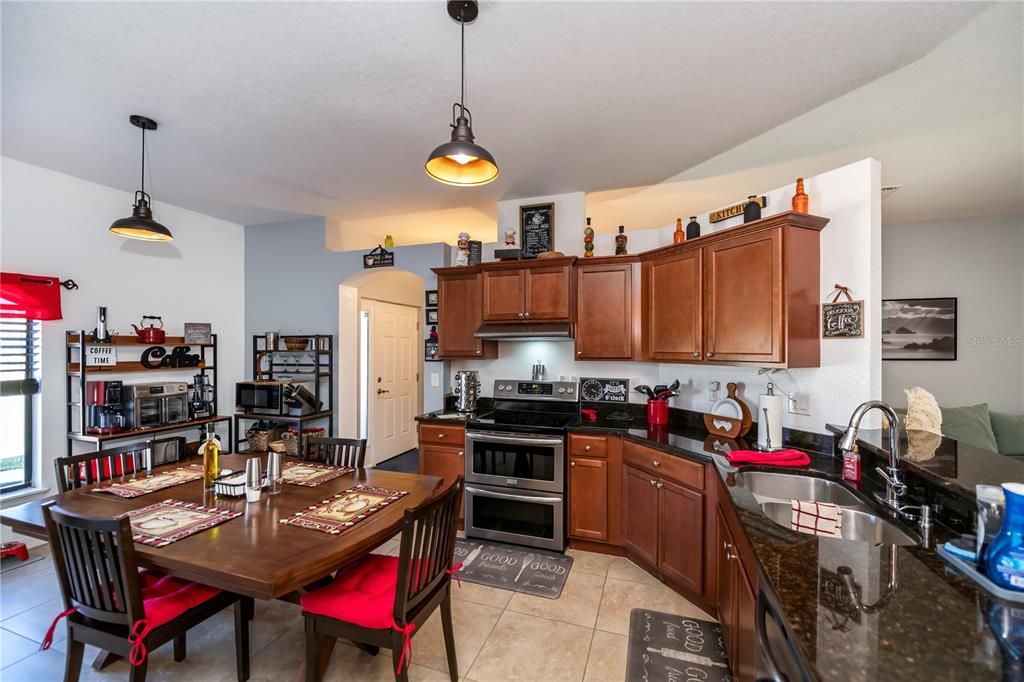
(124, 340)
(75, 369)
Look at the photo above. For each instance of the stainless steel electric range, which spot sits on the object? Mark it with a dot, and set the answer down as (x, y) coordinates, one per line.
(515, 464)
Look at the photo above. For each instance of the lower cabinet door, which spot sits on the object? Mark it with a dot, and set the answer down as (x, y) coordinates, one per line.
(640, 514)
(726, 588)
(745, 652)
(588, 498)
(443, 461)
(681, 542)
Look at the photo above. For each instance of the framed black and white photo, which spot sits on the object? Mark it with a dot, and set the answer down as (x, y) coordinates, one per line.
(430, 350)
(919, 329)
(536, 229)
(431, 315)
(431, 297)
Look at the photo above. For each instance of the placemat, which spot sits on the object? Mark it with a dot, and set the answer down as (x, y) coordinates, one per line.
(520, 569)
(165, 522)
(311, 475)
(661, 645)
(150, 484)
(340, 512)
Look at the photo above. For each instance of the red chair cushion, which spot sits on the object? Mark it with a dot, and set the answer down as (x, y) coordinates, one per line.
(165, 597)
(362, 594)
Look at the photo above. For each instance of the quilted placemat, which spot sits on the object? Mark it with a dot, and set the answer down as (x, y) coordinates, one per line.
(311, 475)
(150, 484)
(340, 512)
(160, 524)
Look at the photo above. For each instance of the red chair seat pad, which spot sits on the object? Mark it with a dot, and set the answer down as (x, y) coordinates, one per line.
(363, 594)
(165, 597)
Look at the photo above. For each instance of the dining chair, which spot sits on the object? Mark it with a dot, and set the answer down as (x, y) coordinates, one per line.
(336, 452)
(111, 604)
(381, 601)
(76, 471)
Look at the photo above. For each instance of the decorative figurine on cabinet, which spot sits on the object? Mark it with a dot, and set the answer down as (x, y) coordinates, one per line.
(462, 257)
(588, 240)
(510, 238)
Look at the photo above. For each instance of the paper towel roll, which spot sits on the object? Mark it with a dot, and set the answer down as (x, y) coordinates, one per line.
(772, 425)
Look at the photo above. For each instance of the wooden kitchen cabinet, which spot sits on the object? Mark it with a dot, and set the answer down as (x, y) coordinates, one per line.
(640, 514)
(442, 452)
(681, 534)
(541, 290)
(607, 309)
(460, 313)
(737, 604)
(673, 318)
(595, 488)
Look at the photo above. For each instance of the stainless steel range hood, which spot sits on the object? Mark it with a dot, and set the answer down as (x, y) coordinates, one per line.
(530, 331)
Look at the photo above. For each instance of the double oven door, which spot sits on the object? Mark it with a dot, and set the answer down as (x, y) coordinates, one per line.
(153, 411)
(515, 487)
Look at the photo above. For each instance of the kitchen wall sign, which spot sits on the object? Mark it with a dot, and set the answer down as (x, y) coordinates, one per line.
(430, 350)
(842, 319)
(198, 333)
(379, 258)
(536, 229)
(431, 298)
(100, 356)
(157, 357)
(735, 210)
(604, 390)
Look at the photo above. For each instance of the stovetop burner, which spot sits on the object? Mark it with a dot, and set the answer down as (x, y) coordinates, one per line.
(530, 407)
(520, 422)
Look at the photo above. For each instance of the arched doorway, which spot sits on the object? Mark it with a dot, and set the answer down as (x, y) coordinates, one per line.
(380, 387)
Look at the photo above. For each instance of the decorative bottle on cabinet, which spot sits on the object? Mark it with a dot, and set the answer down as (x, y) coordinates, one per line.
(800, 198)
(389, 242)
(678, 237)
(692, 228)
(752, 211)
(588, 240)
(620, 241)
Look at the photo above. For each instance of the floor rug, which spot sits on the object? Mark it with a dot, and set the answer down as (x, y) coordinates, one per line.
(665, 647)
(520, 569)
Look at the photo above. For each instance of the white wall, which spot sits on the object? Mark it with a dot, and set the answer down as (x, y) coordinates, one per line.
(56, 225)
(850, 370)
(980, 261)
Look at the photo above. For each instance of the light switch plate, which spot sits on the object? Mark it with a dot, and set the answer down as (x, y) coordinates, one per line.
(800, 403)
(435, 379)
(714, 388)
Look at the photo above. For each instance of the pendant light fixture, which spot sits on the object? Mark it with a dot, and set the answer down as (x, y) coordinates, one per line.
(461, 162)
(141, 225)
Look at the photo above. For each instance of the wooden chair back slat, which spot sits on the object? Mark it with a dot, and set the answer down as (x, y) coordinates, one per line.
(427, 549)
(77, 471)
(96, 568)
(336, 452)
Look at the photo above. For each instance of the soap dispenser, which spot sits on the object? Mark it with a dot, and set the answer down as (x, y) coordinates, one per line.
(1004, 562)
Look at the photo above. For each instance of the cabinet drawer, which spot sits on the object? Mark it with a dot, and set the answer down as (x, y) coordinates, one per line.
(588, 446)
(663, 464)
(454, 436)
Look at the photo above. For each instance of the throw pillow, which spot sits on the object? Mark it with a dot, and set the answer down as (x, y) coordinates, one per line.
(1009, 430)
(971, 425)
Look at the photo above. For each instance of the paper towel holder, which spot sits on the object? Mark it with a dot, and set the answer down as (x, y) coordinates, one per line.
(764, 426)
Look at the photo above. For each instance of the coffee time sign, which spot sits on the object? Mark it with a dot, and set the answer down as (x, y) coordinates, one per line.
(100, 356)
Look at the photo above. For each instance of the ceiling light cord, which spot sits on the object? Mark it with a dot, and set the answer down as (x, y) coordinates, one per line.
(143, 160)
(462, 24)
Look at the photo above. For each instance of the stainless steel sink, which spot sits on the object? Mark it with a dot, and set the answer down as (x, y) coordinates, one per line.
(857, 525)
(768, 484)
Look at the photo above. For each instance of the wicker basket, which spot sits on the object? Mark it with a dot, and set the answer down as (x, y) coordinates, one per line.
(296, 343)
(258, 440)
(294, 444)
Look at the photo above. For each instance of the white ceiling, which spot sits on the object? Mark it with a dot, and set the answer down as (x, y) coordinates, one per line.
(274, 110)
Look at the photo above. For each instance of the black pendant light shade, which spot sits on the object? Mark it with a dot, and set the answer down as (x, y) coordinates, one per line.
(461, 162)
(141, 224)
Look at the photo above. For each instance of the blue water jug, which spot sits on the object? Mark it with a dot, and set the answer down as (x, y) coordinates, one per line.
(1004, 562)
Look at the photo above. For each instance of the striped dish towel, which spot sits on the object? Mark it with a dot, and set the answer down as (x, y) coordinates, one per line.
(817, 518)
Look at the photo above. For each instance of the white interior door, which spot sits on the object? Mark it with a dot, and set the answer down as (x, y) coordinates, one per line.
(394, 379)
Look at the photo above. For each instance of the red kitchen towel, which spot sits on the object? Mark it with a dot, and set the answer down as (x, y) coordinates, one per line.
(781, 458)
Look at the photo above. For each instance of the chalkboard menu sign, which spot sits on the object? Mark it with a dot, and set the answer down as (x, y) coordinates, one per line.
(536, 229)
(476, 252)
(842, 320)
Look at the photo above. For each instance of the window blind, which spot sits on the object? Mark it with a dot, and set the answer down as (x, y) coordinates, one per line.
(19, 357)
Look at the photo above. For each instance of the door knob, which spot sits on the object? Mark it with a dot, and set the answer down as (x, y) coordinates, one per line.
(587, 448)
(572, 464)
(696, 354)
(526, 314)
(382, 390)
(579, 352)
(462, 453)
(441, 436)
(659, 485)
(710, 354)
(655, 462)
(653, 483)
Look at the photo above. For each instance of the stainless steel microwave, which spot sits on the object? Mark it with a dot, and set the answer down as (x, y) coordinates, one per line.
(275, 398)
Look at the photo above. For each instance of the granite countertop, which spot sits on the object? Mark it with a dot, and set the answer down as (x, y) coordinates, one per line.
(935, 623)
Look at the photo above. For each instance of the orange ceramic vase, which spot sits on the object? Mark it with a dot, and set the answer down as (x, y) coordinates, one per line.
(800, 198)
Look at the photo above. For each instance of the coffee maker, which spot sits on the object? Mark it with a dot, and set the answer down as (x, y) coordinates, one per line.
(104, 411)
(201, 398)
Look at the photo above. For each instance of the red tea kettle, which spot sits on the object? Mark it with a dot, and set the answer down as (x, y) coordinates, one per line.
(150, 334)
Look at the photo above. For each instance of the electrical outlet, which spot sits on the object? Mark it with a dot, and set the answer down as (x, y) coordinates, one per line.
(800, 403)
(435, 379)
(713, 390)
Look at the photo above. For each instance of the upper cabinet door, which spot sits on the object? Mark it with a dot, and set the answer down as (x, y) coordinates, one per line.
(743, 302)
(673, 322)
(459, 316)
(604, 312)
(504, 294)
(548, 293)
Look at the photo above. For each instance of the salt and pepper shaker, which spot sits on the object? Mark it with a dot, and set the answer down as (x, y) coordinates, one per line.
(253, 480)
(274, 473)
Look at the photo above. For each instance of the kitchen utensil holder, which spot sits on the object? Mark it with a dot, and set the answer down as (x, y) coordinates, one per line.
(231, 484)
(657, 412)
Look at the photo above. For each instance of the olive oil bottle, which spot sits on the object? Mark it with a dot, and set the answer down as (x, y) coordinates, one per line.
(210, 450)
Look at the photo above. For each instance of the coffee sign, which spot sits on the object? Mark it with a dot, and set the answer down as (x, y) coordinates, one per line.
(100, 356)
(842, 320)
(157, 357)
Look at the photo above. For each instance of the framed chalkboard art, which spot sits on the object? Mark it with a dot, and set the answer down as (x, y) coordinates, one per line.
(536, 229)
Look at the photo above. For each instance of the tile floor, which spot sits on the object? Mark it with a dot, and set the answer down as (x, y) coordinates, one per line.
(500, 635)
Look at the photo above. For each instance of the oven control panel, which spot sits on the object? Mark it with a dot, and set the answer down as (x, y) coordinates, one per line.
(536, 390)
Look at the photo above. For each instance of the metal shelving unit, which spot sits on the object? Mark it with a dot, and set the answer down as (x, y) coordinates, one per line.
(315, 364)
(78, 374)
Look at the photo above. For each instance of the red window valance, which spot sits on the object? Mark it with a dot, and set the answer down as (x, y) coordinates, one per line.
(29, 296)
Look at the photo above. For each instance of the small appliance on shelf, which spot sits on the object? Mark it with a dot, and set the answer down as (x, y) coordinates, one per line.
(277, 398)
(158, 404)
(104, 414)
